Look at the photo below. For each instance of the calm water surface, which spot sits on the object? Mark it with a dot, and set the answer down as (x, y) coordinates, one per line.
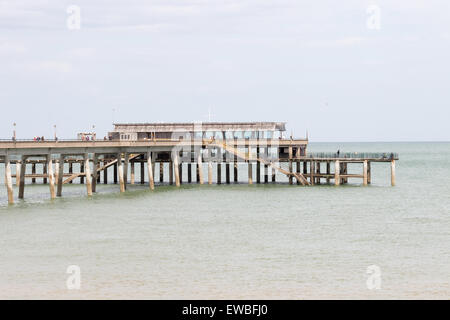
(238, 241)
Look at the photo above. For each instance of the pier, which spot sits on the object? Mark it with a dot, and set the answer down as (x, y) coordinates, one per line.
(62, 162)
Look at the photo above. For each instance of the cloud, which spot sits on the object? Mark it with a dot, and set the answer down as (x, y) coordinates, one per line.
(337, 43)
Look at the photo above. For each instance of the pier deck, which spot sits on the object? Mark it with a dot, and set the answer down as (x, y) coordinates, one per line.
(58, 160)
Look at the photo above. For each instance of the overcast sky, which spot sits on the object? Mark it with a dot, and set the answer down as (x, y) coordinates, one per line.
(319, 65)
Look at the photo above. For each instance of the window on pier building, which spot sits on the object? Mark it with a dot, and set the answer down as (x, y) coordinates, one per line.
(209, 134)
(238, 134)
(248, 134)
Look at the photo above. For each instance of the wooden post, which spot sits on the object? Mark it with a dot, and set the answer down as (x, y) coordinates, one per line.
(298, 170)
(87, 170)
(209, 172)
(290, 166)
(132, 178)
(392, 172)
(365, 172)
(305, 168)
(18, 173)
(180, 170)
(235, 167)
(318, 172)
(120, 172)
(23, 169)
(105, 173)
(56, 172)
(337, 171)
(258, 165)
(95, 172)
(71, 170)
(82, 170)
(177, 168)
(311, 172)
(328, 172)
(115, 172)
(219, 172)
(170, 172)
(150, 171)
(273, 175)
(189, 170)
(44, 172)
(161, 171)
(250, 172)
(142, 172)
(125, 169)
(8, 180)
(51, 177)
(200, 166)
(33, 172)
(60, 175)
(227, 172)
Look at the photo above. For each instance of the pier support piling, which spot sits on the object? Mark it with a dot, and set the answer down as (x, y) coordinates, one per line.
(88, 174)
(23, 169)
(8, 180)
(120, 170)
(60, 175)
(33, 172)
(200, 167)
(177, 168)
(365, 172)
(150, 171)
(393, 173)
(337, 171)
(51, 176)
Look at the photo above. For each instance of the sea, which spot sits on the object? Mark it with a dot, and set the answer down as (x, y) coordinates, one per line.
(238, 241)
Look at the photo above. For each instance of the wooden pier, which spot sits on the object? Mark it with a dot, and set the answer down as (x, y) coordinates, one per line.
(63, 162)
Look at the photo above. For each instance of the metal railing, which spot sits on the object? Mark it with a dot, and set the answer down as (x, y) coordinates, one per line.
(353, 155)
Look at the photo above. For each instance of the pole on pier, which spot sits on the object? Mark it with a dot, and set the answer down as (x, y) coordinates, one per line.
(180, 171)
(142, 172)
(125, 169)
(200, 166)
(250, 165)
(337, 171)
(392, 172)
(365, 172)
(161, 171)
(8, 180)
(369, 172)
(95, 172)
(209, 172)
(51, 177)
(87, 170)
(171, 172)
(318, 172)
(235, 167)
(105, 173)
(56, 172)
(18, 173)
(150, 171)
(189, 170)
(258, 165)
(177, 168)
(132, 177)
(290, 166)
(71, 170)
(115, 172)
(33, 172)
(273, 175)
(23, 169)
(44, 171)
(81, 171)
(328, 172)
(120, 172)
(312, 166)
(60, 175)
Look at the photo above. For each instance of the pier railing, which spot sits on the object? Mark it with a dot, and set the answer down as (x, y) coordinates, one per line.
(353, 155)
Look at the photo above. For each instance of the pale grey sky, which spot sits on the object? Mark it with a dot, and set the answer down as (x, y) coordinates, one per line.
(314, 64)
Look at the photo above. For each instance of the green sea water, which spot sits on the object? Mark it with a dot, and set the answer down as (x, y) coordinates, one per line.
(238, 241)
